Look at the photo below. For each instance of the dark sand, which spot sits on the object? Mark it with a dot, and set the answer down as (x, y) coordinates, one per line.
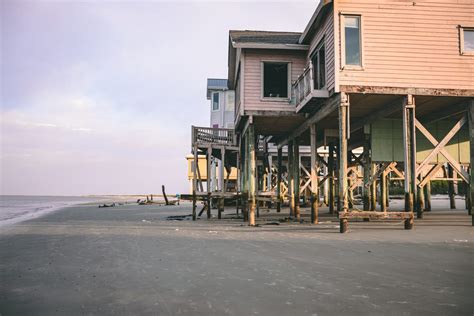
(129, 260)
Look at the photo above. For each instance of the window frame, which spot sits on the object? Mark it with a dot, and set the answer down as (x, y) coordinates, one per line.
(262, 80)
(315, 51)
(342, 17)
(461, 40)
(218, 102)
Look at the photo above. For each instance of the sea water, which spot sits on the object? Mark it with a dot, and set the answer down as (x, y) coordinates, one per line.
(19, 208)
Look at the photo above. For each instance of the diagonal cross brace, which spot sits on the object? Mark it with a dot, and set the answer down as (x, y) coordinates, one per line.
(440, 148)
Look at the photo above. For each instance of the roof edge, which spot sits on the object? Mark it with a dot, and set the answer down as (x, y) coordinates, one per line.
(315, 15)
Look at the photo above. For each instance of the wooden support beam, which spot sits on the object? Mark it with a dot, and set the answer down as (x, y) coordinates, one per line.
(314, 175)
(427, 193)
(387, 110)
(451, 193)
(470, 112)
(373, 186)
(195, 161)
(296, 176)
(409, 149)
(367, 163)
(209, 186)
(331, 173)
(343, 137)
(291, 180)
(278, 185)
(253, 174)
(383, 192)
(330, 105)
(440, 147)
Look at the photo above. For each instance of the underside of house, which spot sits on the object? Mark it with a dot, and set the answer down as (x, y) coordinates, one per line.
(367, 95)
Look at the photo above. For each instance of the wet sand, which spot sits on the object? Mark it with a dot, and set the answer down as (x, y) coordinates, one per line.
(130, 260)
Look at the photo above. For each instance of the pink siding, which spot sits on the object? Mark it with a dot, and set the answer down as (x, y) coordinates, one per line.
(326, 31)
(410, 43)
(252, 77)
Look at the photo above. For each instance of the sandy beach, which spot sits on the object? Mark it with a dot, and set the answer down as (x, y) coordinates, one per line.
(130, 260)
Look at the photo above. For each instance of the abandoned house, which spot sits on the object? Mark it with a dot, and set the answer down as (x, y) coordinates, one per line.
(373, 91)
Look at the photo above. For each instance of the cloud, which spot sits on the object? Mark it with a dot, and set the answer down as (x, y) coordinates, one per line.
(101, 96)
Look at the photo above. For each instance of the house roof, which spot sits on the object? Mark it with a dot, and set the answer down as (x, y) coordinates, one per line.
(242, 39)
(215, 84)
(315, 21)
(265, 37)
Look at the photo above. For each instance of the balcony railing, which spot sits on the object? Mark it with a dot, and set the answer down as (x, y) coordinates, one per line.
(303, 86)
(209, 135)
(303, 89)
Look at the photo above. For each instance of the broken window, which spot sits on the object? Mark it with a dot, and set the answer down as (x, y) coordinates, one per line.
(275, 80)
(352, 41)
(318, 59)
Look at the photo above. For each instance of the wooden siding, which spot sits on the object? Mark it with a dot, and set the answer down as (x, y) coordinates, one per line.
(253, 77)
(326, 31)
(409, 44)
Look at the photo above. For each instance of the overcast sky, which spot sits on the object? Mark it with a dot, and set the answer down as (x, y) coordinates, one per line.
(99, 97)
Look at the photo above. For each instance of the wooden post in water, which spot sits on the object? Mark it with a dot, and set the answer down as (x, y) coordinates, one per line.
(409, 149)
(278, 184)
(314, 175)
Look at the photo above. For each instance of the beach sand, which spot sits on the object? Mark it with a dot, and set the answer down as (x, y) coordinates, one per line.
(130, 260)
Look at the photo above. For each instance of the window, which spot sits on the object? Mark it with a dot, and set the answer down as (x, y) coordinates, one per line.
(275, 80)
(467, 40)
(215, 101)
(352, 41)
(318, 59)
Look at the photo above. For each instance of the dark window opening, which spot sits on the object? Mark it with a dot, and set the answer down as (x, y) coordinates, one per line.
(318, 60)
(215, 101)
(275, 80)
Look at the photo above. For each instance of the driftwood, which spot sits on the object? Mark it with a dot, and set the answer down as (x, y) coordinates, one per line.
(107, 205)
(164, 195)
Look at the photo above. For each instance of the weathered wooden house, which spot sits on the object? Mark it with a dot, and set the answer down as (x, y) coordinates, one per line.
(395, 78)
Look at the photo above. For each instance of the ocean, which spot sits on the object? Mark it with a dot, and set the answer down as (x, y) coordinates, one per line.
(19, 208)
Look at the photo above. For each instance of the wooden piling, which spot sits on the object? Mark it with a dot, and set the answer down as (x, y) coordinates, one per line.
(296, 177)
(291, 183)
(383, 192)
(331, 172)
(253, 174)
(343, 137)
(278, 184)
(314, 175)
(409, 149)
(470, 112)
(451, 192)
(373, 187)
(195, 155)
(209, 185)
(427, 193)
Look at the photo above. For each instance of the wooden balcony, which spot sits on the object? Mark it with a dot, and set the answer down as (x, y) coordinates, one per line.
(303, 91)
(204, 136)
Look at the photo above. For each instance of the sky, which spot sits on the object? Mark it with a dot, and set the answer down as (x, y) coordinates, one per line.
(98, 97)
